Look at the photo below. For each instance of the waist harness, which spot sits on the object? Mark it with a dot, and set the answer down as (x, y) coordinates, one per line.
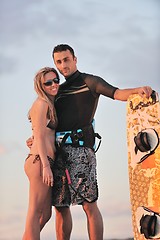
(84, 137)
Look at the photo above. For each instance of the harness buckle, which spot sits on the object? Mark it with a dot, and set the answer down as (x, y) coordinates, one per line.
(80, 137)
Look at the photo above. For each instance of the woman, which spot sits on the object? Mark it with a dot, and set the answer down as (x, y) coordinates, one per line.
(39, 163)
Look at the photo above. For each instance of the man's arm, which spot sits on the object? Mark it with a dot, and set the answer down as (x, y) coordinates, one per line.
(123, 94)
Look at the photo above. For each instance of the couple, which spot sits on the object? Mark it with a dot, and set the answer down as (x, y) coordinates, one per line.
(63, 172)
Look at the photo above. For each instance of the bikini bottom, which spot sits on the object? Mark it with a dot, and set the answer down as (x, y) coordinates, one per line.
(37, 158)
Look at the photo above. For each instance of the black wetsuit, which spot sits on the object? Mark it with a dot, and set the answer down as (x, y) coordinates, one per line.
(76, 104)
(77, 100)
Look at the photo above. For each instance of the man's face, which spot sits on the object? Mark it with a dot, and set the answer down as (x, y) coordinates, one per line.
(65, 63)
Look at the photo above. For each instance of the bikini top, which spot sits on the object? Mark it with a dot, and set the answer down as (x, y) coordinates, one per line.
(51, 124)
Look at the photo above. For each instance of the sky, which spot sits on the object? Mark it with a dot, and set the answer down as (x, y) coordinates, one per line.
(117, 40)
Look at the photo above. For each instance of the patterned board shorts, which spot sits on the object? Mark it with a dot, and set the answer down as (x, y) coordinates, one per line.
(81, 165)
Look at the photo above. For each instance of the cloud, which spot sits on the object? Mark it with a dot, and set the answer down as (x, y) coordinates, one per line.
(31, 19)
(137, 61)
(11, 147)
(12, 225)
(114, 208)
(6, 64)
(122, 39)
(2, 149)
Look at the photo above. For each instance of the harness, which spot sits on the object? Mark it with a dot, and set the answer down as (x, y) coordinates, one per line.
(83, 137)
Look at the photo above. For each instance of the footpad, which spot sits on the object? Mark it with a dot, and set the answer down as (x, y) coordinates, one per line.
(148, 225)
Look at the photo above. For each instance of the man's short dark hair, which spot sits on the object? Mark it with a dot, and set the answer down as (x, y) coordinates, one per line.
(61, 48)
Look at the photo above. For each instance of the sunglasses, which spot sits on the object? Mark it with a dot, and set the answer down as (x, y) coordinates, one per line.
(51, 81)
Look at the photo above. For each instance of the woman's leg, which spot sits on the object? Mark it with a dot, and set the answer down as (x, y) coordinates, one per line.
(39, 195)
(47, 211)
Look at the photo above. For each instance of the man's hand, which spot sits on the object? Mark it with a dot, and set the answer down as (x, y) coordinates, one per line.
(145, 91)
(29, 142)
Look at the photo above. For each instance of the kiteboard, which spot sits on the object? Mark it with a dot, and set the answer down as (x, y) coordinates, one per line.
(143, 140)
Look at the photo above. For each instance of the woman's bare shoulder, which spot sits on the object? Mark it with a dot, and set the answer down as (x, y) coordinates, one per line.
(38, 105)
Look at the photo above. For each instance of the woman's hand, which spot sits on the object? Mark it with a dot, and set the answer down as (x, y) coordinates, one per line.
(29, 142)
(48, 175)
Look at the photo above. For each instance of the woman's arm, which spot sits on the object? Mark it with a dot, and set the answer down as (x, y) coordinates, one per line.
(38, 117)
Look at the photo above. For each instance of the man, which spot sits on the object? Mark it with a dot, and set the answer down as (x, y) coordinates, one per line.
(75, 179)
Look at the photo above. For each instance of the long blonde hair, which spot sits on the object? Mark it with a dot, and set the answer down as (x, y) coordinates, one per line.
(38, 86)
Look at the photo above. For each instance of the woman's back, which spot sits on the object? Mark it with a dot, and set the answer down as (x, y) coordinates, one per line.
(42, 128)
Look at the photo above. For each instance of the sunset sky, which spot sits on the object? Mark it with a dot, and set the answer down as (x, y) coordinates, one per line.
(117, 40)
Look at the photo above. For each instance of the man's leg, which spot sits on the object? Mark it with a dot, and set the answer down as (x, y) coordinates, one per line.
(63, 223)
(94, 221)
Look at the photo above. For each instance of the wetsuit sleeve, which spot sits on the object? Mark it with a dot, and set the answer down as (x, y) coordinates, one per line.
(98, 86)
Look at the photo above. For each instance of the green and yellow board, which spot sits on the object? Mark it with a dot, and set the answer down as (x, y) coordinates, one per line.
(143, 133)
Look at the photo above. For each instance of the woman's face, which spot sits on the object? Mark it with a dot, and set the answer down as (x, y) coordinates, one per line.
(51, 83)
